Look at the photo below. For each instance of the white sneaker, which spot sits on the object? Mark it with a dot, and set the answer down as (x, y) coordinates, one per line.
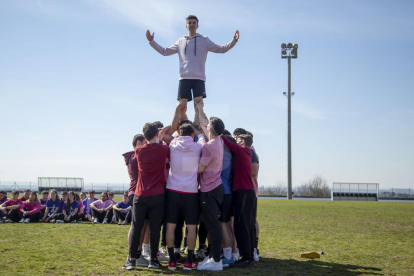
(96, 220)
(52, 221)
(105, 221)
(236, 255)
(27, 220)
(21, 221)
(162, 254)
(73, 221)
(211, 265)
(206, 259)
(255, 255)
(59, 221)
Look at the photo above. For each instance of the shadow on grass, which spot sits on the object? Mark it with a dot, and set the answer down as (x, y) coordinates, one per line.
(268, 266)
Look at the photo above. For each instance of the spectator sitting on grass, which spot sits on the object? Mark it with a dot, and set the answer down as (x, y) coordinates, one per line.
(3, 198)
(102, 209)
(43, 200)
(70, 210)
(81, 214)
(26, 195)
(11, 207)
(87, 205)
(52, 207)
(30, 210)
(63, 200)
(111, 197)
(121, 210)
(82, 196)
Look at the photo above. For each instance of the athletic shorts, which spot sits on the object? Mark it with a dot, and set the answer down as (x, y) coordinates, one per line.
(226, 208)
(184, 206)
(185, 86)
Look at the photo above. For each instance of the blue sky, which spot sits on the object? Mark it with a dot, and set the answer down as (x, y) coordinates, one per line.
(78, 80)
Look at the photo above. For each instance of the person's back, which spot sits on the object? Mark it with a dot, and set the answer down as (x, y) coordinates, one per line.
(184, 158)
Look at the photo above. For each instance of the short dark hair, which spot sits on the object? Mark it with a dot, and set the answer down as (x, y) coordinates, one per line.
(64, 193)
(110, 193)
(2, 192)
(249, 133)
(15, 192)
(216, 126)
(26, 190)
(239, 131)
(248, 140)
(138, 137)
(44, 192)
(185, 121)
(226, 132)
(192, 16)
(159, 124)
(186, 130)
(150, 130)
(91, 191)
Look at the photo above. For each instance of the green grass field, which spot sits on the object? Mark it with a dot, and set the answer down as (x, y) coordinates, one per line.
(358, 238)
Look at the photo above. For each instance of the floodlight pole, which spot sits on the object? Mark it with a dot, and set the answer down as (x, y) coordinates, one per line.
(289, 191)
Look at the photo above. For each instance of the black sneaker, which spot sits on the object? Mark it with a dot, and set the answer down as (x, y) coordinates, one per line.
(242, 264)
(130, 265)
(154, 264)
(177, 256)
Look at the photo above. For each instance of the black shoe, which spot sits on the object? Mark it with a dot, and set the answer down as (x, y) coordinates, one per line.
(154, 264)
(177, 256)
(242, 264)
(130, 265)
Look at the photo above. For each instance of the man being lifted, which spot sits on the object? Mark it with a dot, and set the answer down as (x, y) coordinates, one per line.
(192, 52)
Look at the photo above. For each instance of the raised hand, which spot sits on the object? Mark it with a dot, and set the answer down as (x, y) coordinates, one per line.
(236, 35)
(149, 36)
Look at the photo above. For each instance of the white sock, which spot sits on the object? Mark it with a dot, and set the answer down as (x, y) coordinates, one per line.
(177, 250)
(227, 252)
(145, 247)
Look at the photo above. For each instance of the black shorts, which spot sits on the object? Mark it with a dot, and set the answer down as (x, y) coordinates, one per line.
(184, 206)
(185, 87)
(226, 208)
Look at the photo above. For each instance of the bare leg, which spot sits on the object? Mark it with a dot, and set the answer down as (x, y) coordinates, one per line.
(226, 233)
(146, 233)
(183, 114)
(170, 234)
(191, 236)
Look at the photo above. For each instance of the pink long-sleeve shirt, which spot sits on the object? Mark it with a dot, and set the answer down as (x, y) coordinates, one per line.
(32, 207)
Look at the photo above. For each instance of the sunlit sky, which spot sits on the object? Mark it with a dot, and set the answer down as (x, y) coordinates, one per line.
(78, 80)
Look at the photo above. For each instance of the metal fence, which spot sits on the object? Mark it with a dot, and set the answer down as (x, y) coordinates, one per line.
(120, 187)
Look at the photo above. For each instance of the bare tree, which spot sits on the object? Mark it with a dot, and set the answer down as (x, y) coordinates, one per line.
(317, 187)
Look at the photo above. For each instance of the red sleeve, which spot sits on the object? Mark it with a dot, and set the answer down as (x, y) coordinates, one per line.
(232, 146)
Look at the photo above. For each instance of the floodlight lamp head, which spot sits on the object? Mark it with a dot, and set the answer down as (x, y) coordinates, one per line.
(283, 45)
(290, 45)
(284, 93)
(295, 46)
(294, 52)
(284, 52)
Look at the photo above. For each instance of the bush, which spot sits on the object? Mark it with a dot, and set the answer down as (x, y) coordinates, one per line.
(317, 187)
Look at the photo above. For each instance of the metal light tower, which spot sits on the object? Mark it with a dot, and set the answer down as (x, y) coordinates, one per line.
(289, 51)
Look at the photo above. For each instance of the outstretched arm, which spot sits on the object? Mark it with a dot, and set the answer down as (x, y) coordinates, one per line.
(213, 47)
(232, 146)
(173, 49)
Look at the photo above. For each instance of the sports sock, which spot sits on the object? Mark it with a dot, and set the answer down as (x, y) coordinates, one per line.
(145, 248)
(171, 253)
(190, 255)
(177, 250)
(227, 252)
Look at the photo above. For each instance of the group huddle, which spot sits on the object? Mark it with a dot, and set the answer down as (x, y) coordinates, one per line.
(195, 173)
(70, 207)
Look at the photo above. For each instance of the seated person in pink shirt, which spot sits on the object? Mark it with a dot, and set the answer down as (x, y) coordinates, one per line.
(81, 215)
(70, 210)
(102, 209)
(10, 208)
(30, 210)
